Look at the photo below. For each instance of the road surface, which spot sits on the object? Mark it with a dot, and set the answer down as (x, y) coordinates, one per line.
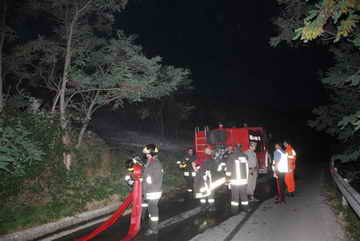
(305, 217)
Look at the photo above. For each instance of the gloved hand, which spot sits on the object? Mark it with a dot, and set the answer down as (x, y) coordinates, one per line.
(129, 180)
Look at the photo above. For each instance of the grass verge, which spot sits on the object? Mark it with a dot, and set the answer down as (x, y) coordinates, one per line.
(346, 215)
(96, 180)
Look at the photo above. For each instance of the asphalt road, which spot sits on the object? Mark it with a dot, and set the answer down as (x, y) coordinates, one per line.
(305, 217)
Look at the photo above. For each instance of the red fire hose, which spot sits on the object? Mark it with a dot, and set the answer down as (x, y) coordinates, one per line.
(135, 197)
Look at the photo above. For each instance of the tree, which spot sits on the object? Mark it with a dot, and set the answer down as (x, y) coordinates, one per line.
(116, 70)
(75, 23)
(85, 65)
(7, 34)
(333, 24)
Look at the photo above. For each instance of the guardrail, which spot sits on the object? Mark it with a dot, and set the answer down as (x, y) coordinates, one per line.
(349, 194)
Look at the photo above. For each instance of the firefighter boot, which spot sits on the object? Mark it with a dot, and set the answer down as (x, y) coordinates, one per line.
(211, 202)
(212, 208)
(153, 229)
(245, 208)
(234, 210)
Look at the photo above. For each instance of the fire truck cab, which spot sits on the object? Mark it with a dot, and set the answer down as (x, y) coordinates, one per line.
(235, 136)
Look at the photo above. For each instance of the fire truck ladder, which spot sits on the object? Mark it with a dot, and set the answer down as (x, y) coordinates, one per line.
(197, 138)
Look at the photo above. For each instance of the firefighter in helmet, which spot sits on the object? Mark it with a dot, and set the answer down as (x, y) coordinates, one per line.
(152, 186)
(237, 171)
(185, 166)
(203, 180)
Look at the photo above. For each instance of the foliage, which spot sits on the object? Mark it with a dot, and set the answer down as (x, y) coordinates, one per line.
(27, 138)
(100, 67)
(17, 151)
(116, 70)
(94, 182)
(333, 23)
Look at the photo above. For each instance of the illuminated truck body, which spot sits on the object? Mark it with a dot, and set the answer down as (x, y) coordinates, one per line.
(233, 137)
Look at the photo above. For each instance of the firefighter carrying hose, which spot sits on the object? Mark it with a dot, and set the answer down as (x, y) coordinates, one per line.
(151, 185)
(237, 171)
(186, 167)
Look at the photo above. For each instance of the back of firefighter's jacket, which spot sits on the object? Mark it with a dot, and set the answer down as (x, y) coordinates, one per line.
(206, 174)
(152, 180)
(186, 166)
(237, 168)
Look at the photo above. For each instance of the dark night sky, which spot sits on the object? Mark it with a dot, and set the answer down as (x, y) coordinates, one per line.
(225, 44)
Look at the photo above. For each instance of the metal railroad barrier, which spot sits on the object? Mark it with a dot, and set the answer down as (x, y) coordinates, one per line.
(349, 194)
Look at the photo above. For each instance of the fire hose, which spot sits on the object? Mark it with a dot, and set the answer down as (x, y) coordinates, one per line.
(135, 197)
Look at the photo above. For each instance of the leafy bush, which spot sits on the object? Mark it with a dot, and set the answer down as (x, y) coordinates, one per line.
(29, 143)
(17, 150)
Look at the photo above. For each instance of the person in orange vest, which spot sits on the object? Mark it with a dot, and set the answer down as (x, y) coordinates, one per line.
(289, 176)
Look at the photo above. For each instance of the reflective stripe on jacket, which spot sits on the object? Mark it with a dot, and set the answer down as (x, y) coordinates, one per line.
(237, 168)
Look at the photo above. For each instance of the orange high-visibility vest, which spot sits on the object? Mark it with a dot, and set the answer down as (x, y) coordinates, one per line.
(291, 157)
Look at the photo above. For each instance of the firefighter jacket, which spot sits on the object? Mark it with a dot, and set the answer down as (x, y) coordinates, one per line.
(252, 159)
(237, 168)
(186, 165)
(291, 157)
(207, 179)
(152, 179)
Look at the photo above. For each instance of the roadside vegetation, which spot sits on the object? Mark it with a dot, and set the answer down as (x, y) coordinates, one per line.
(345, 214)
(38, 189)
(53, 80)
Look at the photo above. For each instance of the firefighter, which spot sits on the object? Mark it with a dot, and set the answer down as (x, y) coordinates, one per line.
(237, 171)
(290, 176)
(280, 167)
(253, 173)
(152, 183)
(186, 166)
(203, 180)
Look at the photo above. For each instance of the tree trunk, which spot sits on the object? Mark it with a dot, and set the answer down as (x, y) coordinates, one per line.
(62, 104)
(55, 102)
(2, 42)
(86, 122)
(81, 134)
(65, 76)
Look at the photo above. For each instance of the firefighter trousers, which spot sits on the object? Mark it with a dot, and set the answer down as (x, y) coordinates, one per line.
(252, 183)
(238, 191)
(290, 181)
(189, 182)
(209, 200)
(152, 207)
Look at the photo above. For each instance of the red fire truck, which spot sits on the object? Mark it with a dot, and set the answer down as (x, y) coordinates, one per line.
(234, 136)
